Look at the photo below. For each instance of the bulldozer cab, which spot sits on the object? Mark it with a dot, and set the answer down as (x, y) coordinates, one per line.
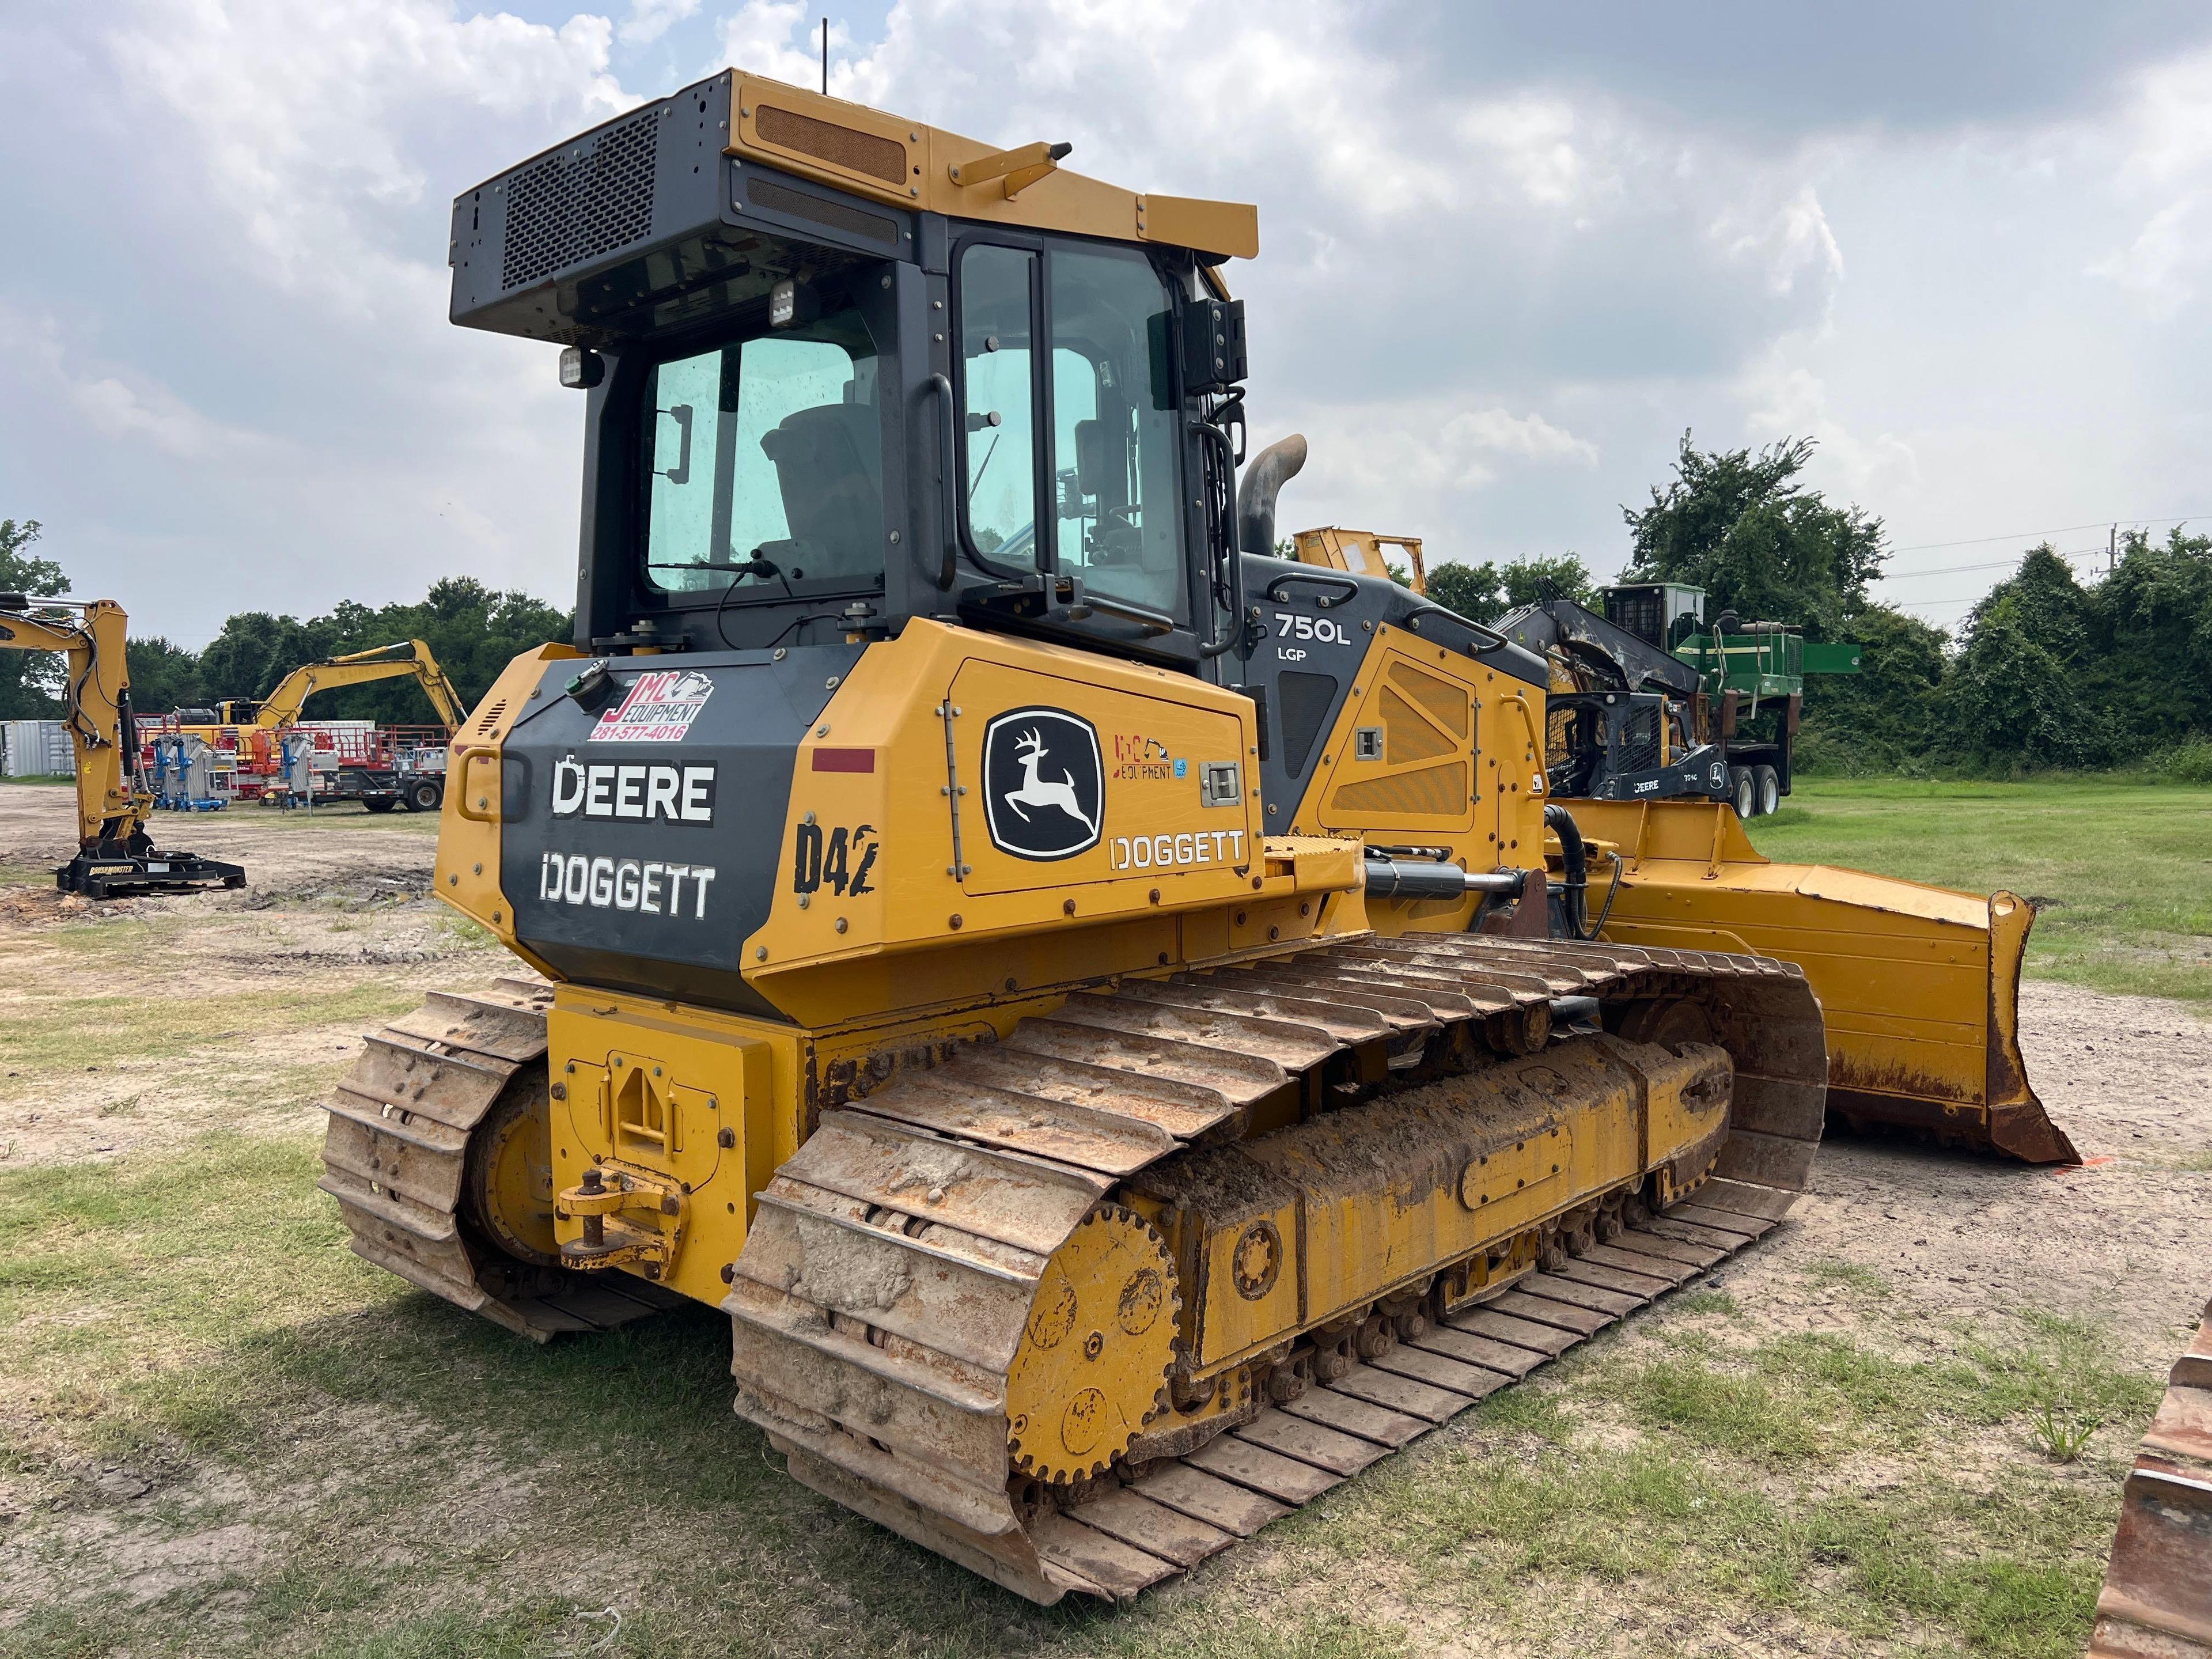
(1365, 552)
(843, 371)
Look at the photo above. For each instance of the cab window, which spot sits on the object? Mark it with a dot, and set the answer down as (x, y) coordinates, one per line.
(1113, 426)
(997, 367)
(763, 463)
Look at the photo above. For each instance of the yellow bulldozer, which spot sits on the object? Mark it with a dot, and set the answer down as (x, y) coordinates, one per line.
(1113, 1016)
(115, 856)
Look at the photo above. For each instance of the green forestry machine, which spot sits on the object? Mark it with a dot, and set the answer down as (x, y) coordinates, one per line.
(1649, 703)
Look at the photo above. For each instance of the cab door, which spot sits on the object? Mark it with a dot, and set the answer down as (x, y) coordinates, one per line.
(1072, 462)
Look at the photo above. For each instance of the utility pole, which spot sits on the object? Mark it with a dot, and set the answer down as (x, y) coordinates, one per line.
(825, 58)
(2112, 551)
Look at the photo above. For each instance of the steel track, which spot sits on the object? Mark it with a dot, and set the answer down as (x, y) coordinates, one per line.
(883, 1291)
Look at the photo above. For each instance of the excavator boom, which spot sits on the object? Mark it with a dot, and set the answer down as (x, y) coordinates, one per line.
(281, 707)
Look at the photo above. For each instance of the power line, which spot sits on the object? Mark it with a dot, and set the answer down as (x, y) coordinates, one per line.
(2061, 530)
(1995, 564)
(1968, 601)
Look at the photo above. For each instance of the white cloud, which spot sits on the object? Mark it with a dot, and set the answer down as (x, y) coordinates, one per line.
(1493, 296)
(649, 20)
(1789, 241)
(782, 40)
(2166, 174)
(106, 409)
(306, 126)
(1786, 399)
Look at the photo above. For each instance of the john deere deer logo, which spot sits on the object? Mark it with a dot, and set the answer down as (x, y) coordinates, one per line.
(1043, 783)
(1043, 791)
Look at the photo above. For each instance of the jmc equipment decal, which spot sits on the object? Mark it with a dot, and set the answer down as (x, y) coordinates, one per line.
(659, 709)
(1044, 783)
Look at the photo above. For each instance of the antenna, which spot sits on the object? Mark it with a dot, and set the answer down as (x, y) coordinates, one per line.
(825, 58)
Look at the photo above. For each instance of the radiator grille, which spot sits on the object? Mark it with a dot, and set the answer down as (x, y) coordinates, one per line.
(1408, 737)
(825, 141)
(579, 203)
(1639, 741)
(487, 722)
(1434, 792)
(1444, 700)
(1639, 610)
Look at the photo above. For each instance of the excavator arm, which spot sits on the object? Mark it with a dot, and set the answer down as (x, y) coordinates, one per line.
(281, 707)
(115, 856)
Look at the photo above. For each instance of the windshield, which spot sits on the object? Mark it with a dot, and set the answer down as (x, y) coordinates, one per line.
(765, 463)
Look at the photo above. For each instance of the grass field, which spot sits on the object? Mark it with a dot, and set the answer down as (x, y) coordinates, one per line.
(283, 1451)
(2124, 870)
(221, 1432)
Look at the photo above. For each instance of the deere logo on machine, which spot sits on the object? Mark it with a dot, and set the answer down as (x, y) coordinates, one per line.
(1044, 783)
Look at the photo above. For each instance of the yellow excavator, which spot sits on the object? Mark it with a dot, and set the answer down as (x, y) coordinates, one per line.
(115, 856)
(253, 727)
(283, 705)
(1089, 999)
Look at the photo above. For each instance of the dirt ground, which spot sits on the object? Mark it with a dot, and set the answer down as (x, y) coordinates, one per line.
(287, 855)
(274, 985)
(340, 904)
(2129, 1078)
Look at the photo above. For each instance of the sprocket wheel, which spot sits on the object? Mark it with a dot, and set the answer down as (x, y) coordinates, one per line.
(1096, 1349)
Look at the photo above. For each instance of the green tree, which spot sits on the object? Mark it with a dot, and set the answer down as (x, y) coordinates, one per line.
(1483, 592)
(2147, 664)
(1743, 527)
(164, 677)
(1885, 715)
(1473, 590)
(472, 630)
(2016, 692)
(30, 681)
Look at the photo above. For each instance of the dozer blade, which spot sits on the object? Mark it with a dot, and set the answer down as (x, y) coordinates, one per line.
(2157, 1599)
(1919, 986)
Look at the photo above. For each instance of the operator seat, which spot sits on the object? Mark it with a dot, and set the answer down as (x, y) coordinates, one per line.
(829, 466)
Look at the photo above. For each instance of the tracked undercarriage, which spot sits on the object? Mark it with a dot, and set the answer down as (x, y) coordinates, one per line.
(1081, 1307)
(443, 1113)
(2157, 1599)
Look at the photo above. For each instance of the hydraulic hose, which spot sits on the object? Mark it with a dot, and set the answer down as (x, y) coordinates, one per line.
(1561, 822)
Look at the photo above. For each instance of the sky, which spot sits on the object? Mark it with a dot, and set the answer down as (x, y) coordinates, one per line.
(1509, 254)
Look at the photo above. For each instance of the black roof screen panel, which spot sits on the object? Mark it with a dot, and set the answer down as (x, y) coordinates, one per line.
(581, 201)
